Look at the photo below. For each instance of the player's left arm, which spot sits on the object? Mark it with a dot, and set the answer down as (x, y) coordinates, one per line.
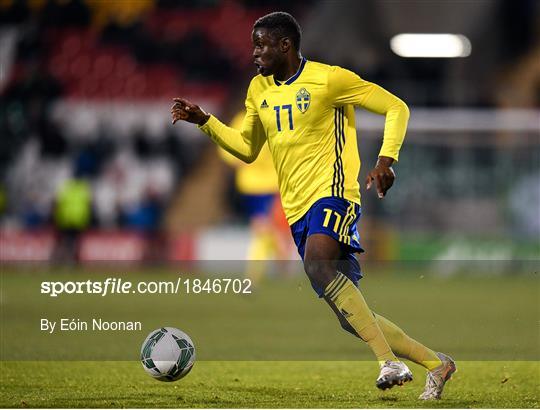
(380, 101)
(349, 88)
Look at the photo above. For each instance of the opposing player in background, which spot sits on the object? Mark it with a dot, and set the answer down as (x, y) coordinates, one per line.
(305, 111)
(257, 185)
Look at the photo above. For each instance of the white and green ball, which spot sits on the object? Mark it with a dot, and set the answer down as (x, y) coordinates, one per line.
(167, 354)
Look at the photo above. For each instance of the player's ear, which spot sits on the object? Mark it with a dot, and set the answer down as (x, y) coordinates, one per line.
(285, 44)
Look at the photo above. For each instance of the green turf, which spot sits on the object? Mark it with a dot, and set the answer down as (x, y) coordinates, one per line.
(260, 384)
(471, 318)
(489, 324)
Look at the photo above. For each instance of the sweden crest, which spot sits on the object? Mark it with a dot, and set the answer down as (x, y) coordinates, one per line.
(303, 99)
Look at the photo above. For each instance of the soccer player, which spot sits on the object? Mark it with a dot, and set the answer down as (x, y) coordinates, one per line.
(305, 111)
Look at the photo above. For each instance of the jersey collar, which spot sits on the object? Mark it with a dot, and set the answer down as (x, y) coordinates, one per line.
(295, 76)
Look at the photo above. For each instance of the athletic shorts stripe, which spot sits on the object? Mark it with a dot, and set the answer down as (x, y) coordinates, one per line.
(345, 223)
(352, 218)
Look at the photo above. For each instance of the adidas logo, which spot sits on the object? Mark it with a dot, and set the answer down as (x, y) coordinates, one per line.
(345, 313)
(264, 104)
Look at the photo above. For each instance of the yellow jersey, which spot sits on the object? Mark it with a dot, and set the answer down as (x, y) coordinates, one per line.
(258, 178)
(309, 124)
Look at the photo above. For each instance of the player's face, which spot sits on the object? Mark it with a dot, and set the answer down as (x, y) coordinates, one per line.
(266, 52)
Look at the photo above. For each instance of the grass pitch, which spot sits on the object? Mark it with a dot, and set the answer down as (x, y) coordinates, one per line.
(278, 348)
(261, 384)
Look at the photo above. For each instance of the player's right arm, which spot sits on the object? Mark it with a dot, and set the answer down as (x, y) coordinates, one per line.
(244, 144)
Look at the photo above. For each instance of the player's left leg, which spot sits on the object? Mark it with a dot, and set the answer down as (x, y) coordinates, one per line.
(437, 378)
(406, 347)
(401, 344)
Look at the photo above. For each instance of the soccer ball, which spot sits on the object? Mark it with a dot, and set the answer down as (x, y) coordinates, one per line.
(167, 354)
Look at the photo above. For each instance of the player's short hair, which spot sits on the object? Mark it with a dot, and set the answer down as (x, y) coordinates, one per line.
(283, 25)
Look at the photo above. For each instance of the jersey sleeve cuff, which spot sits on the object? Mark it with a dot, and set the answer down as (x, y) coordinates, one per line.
(209, 125)
(394, 156)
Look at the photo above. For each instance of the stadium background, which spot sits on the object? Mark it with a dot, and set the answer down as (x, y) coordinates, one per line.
(86, 88)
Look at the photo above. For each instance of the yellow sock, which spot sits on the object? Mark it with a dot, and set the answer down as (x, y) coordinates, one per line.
(350, 302)
(405, 346)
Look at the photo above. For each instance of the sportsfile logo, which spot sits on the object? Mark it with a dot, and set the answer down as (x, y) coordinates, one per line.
(118, 286)
(110, 286)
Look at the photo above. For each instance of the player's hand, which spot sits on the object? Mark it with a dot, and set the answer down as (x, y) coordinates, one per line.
(184, 110)
(383, 175)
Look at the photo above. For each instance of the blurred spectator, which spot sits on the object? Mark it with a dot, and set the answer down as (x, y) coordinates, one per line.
(33, 214)
(72, 214)
(145, 215)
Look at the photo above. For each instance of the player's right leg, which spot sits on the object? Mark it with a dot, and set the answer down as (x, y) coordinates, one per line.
(325, 237)
(321, 260)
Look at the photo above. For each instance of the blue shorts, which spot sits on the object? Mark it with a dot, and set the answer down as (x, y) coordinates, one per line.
(257, 205)
(337, 218)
